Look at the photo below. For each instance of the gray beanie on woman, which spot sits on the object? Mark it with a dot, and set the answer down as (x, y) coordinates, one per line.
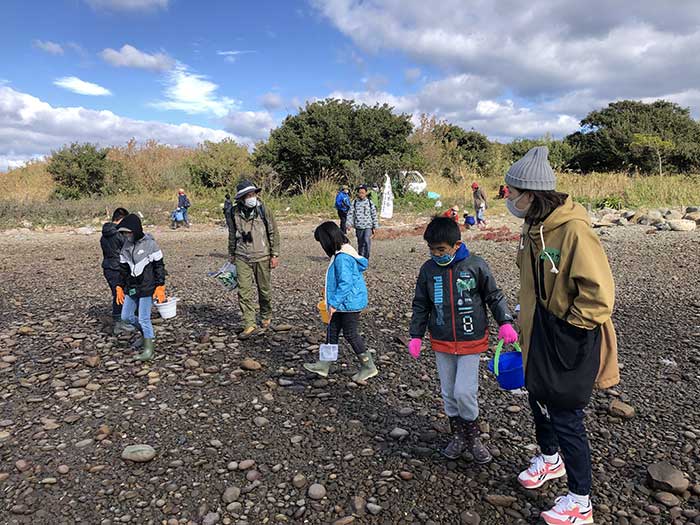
(532, 172)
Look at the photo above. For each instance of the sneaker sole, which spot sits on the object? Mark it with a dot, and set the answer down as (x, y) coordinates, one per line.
(547, 478)
(557, 521)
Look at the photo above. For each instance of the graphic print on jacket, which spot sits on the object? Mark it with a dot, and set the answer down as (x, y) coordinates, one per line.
(451, 301)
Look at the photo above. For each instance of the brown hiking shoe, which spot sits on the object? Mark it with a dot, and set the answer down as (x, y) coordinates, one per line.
(247, 333)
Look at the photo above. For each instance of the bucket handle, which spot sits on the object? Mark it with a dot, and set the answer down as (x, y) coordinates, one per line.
(497, 357)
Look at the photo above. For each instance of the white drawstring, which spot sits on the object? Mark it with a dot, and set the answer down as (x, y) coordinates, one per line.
(544, 249)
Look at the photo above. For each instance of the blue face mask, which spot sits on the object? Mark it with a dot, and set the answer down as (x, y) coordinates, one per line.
(443, 260)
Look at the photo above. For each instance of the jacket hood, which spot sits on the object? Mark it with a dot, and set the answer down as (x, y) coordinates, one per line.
(348, 249)
(461, 254)
(567, 212)
(132, 223)
(109, 229)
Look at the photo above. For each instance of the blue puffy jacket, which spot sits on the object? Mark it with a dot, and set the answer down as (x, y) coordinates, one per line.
(342, 202)
(346, 290)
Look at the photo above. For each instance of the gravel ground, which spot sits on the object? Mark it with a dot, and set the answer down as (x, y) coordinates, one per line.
(275, 445)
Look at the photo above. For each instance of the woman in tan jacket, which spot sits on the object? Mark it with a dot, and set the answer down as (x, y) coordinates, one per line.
(566, 296)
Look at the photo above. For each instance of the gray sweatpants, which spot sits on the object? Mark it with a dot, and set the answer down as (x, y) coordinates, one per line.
(459, 383)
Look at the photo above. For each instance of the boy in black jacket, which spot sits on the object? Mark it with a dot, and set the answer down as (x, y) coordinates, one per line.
(111, 243)
(453, 290)
(142, 279)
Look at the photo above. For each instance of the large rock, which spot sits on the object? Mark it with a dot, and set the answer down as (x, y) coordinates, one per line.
(500, 501)
(665, 477)
(250, 364)
(139, 453)
(667, 499)
(620, 409)
(682, 225)
(693, 216)
(317, 491)
(673, 215)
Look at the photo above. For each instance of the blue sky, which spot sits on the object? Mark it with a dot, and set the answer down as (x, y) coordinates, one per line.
(182, 71)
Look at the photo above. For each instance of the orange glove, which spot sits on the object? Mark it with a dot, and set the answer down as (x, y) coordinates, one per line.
(159, 293)
(120, 295)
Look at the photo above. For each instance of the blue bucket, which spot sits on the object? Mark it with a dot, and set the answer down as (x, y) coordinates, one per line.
(508, 367)
(179, 215)
(469, 220)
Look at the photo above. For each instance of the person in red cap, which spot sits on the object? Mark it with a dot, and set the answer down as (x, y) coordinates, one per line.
(184, 203)
(452, 213)
(479, 205)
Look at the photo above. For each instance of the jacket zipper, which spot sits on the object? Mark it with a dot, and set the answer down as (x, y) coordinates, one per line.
(454, 317)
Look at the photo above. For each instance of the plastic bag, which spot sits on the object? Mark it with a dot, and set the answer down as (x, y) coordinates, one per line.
(227, 275)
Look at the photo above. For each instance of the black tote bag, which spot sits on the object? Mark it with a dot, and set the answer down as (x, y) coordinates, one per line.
(563, 360)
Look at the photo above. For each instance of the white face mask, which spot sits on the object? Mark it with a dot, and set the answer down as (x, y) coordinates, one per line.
(514, 210)
(251, 202)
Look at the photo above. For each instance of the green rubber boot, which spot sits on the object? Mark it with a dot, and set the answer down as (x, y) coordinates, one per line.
(320, 368)
(367, 370)
(148, 349)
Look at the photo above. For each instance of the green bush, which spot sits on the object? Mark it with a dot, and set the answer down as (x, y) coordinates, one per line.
(220, 164)
(79, 170)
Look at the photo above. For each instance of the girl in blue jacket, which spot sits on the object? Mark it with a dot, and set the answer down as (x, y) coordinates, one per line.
(346, 297)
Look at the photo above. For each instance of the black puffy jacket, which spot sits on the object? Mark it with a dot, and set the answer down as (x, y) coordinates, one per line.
(450, 301)
(111, 243)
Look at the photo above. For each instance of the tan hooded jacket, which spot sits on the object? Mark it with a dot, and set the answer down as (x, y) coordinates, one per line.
(581, 293)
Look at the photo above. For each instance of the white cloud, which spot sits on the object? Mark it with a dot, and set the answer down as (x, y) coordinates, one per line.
(129, 56)
(249, 126)
(193, 93)
(471, 103)
(30, 128)
(547, 50)
(49, 47)
(232, 56)
(129, 5)
(271, 101)
(81, 87)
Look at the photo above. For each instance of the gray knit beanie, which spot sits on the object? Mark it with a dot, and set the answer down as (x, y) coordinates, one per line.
(532, 172)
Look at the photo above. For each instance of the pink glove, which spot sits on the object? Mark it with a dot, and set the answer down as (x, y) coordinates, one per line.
(508, 334)
(414, 347)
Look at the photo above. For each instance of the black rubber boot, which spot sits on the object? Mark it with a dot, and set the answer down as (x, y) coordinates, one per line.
(458, 443)
(478, 450)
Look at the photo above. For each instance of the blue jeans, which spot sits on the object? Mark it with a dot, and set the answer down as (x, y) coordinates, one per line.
(144, 319)
(184, 216)
(364, 241)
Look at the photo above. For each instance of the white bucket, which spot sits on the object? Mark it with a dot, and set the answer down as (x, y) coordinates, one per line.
(168, 309)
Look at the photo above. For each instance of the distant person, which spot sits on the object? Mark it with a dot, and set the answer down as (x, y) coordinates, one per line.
(228, 206)
(503, 192)
(452, 213)
(346, 297)
(342, 205)
(569, 345)
(479, 205)
(454, 289)
(184, 203)
(254, 247)
(364, 218)
(142, 279)
(111, 243)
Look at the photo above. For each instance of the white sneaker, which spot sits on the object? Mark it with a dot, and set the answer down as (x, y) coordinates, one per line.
(568, 511)
(540, 472)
